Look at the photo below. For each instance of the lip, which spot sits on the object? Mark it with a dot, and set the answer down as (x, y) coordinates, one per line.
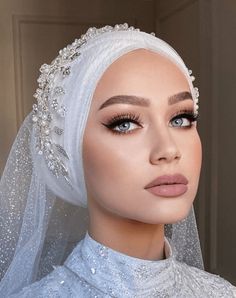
(168, 185)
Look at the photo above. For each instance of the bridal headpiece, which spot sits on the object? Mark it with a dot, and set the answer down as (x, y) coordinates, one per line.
(48, 114)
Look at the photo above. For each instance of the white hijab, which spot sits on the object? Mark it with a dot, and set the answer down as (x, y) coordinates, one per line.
(44, 172)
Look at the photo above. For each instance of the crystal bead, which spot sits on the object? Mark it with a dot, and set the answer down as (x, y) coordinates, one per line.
(44, 117)
(90, 30)
(51, 166)
(108, 28)
(43, 123)
(57, 60)
(35, 118)
(35, 107)
(44, 68)
(47, 145)
(54, 104)
(196, 92)
(59, 91)
(50, 156)
(36, 95)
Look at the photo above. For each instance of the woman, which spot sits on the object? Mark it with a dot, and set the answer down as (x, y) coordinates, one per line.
(114, 129)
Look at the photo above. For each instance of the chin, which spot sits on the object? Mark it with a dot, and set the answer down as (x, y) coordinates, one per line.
(165, 214)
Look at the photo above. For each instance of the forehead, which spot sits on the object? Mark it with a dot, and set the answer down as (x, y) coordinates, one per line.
(141, 72)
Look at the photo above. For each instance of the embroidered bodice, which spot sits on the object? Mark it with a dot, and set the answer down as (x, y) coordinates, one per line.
(94, 270)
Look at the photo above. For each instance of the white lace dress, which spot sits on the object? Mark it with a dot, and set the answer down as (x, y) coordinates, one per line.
(93, 270)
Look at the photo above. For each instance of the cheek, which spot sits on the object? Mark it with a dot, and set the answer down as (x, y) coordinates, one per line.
(114, 171)
(196, 152)
(193, 157)
(105, 166)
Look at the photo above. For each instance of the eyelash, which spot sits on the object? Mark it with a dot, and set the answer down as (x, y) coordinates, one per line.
(130, 117)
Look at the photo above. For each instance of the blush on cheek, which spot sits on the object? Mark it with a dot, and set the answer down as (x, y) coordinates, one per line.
(197, 153)
(96, 164)
(195, 164)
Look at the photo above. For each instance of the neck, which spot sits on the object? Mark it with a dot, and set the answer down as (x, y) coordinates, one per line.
(133, 238)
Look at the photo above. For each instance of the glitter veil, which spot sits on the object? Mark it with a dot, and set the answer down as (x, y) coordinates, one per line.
(43, 196)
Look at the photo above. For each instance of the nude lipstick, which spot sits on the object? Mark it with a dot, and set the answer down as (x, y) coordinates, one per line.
(168, 185)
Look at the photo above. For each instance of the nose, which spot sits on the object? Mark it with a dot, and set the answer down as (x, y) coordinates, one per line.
(164, 148)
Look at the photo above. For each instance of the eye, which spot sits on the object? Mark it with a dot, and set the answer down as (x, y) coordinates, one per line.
(125, 126)
(123, 123)
(184, 119)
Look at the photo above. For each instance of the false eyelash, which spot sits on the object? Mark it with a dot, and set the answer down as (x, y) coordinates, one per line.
(189, 114)
(120, 118)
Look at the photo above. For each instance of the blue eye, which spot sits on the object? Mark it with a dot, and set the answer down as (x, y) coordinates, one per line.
(185, 119)
(124, 123)
(124, 126)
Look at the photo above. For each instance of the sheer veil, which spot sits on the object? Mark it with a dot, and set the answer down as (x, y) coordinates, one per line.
(42, 189)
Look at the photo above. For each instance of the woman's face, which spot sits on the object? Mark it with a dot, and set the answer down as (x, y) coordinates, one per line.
(140, 127)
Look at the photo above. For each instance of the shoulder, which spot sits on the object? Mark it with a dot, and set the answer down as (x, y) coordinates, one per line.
(208, 283)
(56, 284)
(60, 283)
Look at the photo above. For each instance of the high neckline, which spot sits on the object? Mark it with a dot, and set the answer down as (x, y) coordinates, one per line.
(94, 245)
(111, 271)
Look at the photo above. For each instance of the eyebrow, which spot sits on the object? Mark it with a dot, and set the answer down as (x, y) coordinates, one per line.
(142, 101)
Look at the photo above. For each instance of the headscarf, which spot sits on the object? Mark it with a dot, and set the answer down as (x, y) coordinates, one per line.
(42, 189)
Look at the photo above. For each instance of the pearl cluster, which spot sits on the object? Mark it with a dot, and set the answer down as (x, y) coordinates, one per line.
(196, 106)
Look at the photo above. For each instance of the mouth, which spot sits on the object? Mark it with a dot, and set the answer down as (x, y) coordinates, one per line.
(168, 185)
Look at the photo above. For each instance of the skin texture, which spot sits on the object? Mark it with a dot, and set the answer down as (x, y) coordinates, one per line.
(117, 167)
